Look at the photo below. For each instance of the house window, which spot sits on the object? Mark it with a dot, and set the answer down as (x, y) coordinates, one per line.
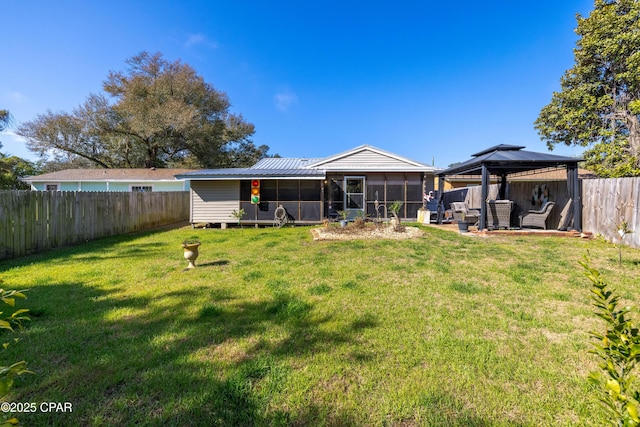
(51, 187)
(141, 188)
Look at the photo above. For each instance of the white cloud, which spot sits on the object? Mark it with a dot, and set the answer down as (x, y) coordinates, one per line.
(15, 145)
(12, 97)
(199, 39)
(14, 136)
(285, 99)
(17, 96)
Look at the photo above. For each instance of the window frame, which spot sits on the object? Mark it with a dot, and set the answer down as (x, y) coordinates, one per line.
(132, 186)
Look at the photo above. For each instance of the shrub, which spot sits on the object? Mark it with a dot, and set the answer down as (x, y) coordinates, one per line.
(395, 210)
(618, 349)
(10, 322)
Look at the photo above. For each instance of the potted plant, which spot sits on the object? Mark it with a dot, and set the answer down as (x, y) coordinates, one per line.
(191, 251)
(343, 218)
(463, 225)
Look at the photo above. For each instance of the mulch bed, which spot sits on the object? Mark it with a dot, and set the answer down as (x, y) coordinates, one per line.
(369, 232)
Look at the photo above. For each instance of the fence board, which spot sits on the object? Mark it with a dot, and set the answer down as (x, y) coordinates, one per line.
(33, 221)
(607, 202)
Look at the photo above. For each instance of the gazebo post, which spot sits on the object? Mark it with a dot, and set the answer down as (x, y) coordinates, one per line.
(441, 208)
(485, 194)
(573, 184)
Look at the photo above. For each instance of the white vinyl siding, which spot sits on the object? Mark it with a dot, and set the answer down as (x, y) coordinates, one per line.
(213, 201)
(370, 161)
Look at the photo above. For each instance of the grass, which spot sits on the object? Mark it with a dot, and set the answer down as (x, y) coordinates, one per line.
(275, 329)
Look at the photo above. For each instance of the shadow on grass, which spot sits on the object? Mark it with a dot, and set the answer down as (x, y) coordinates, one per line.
(213, 263)
(87, 251)
(151, 361)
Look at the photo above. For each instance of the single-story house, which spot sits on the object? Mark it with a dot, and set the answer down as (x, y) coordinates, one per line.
(365, 180)
(150, 179)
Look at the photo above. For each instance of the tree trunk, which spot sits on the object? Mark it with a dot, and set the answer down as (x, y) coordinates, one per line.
(634, 136)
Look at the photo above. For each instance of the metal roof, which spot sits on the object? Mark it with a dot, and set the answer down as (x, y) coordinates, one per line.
(508, 159)
(253, 172)
(284, 163)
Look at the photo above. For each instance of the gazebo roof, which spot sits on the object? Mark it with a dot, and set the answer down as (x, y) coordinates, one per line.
(506, 159)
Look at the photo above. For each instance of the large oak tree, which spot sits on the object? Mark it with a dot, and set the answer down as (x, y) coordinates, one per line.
(156, 114)
(599, 104)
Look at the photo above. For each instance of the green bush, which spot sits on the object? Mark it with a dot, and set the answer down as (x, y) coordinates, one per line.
(10, 322)
(618, 349)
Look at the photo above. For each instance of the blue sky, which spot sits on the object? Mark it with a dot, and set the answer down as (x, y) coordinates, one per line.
(432, 81)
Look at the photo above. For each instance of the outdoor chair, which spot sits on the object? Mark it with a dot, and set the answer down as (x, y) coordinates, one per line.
(537, 218)
(499, 214)
(461, 213)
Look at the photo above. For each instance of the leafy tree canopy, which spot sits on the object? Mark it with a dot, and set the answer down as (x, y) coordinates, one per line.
(12, 168)
(599, 104)
(156, 114)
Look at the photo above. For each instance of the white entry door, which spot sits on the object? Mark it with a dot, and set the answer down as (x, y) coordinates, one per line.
(354, 192)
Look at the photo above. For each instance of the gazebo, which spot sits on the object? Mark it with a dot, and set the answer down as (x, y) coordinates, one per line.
(502, 160)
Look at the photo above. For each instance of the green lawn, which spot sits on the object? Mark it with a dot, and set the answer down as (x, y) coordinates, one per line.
(273, 328)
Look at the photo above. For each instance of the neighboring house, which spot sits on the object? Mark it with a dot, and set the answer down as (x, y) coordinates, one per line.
(151, 179)
(312, 190)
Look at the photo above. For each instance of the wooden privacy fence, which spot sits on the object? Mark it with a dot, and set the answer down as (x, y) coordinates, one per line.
(607, 202)
(33, 221)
